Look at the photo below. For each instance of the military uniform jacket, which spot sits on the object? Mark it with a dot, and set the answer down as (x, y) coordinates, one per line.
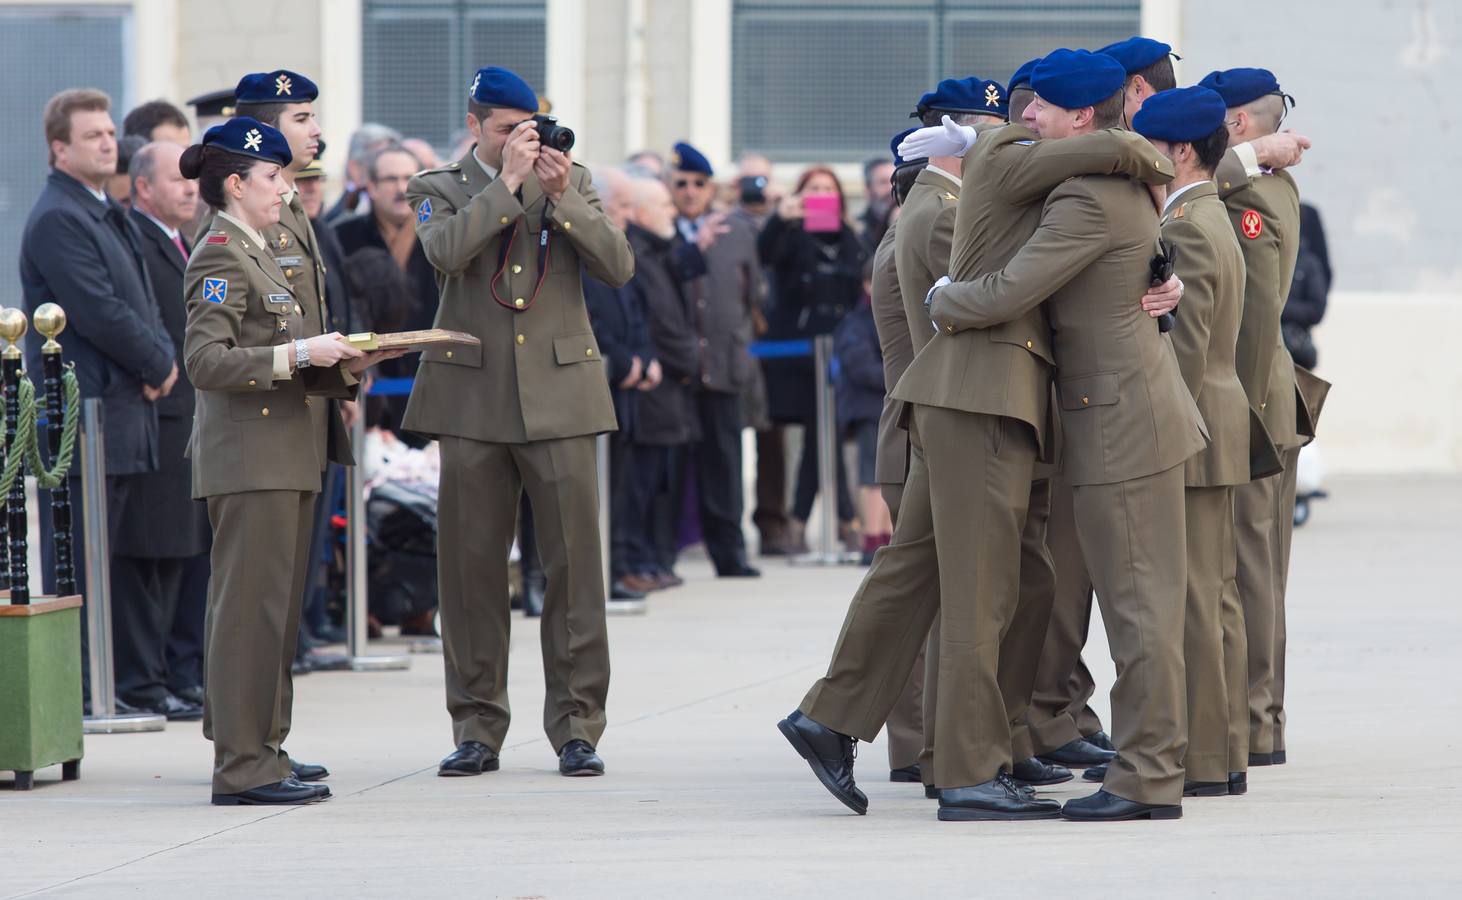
(1265, 212)
(1124, 410)
(891, 465)
(538, 374)
(1005, 369)
(250, 432)
(1211, 266)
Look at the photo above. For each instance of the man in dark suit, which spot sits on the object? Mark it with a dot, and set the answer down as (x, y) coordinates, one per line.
(160, 562)
(79, 250)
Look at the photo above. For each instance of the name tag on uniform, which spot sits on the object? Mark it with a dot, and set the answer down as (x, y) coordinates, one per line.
(287, 261)
(279, 303)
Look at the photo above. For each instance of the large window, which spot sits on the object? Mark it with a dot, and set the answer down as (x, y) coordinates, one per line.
(419, 57)
(44, 50)
(835, 79)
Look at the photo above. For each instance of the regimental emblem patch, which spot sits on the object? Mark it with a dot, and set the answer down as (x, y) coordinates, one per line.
(1251, 223)
(282, 86)
(253, 139)
(423, 212)
(215, 290)
(992, 95)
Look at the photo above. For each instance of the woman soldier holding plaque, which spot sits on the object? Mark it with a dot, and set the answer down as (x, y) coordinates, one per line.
(267, 378)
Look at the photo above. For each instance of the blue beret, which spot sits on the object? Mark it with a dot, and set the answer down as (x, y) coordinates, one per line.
(494, 86)
(685, 158)
(1181, 114)
(1137, 53)
(1076, 79)
(899, 139)
(1022, 76)
(1240, 86)
(244, 136)
(279, 86)
(966, 95)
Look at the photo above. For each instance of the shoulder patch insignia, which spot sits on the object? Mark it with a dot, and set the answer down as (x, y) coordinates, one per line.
(215, 290)
(1251, 223)
(217, 239)
(423, 212)
(1182, 211)
(950, 197)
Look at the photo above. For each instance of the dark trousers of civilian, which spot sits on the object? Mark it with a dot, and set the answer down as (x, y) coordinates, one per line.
(656, 496)
(718, 479)
(808, 482)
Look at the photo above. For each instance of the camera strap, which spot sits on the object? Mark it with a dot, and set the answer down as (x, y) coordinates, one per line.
(545, 241)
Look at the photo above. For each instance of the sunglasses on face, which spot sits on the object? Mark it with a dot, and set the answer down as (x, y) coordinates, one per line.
(682, 183)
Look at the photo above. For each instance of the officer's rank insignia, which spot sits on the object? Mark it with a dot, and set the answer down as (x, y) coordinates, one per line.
(1252, 224)
(992, 95)
(950, 197)
(253, 139)
(282, 86)
(215, 290)
(423, 212)
(283, 240)
(1182, 211)
(217, 239)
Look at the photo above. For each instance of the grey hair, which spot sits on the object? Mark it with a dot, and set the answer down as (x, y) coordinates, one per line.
(143, 164)
(367, 136)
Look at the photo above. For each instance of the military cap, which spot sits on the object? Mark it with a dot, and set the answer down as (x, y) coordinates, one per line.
(495, 86)
(685, 158)
(244, 136)
(1075, 79)
(1137, 53)
(965, 95)
(1240, 86)
(279, 86)
(213, 103)
(313, 170)
(1180, 115)
(1022, 76)
(899, 139)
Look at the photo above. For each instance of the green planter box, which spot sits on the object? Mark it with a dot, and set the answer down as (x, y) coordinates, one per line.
(40, 688)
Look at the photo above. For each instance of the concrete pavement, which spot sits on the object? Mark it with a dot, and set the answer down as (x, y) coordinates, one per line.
(704, 798)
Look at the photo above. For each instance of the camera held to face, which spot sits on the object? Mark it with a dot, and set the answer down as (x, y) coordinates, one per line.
(552, 134)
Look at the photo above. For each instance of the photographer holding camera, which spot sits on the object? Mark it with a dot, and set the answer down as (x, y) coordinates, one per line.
(508, 227)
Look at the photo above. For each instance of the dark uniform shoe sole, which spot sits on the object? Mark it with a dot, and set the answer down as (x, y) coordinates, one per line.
(789, 731)
(960, 814)
(490, 766)
(582, 773)
(906, 775)
(1148, 812)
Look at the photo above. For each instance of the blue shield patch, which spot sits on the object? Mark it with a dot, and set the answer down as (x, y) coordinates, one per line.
(215, 290)
(423, 212)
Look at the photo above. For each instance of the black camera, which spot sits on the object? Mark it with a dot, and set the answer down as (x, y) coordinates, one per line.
(754, 189)
(552, 134)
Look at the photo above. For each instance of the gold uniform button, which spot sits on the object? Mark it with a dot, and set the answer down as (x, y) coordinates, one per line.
(949, 328)
(521, 339)
(449, 354)
(1030, 345)
(289, 273)
(518, 302)
(298, 311)
(588, 351)
(568, 226)
(1225, 185)
(1085, 401)
(517, 269)
(264, 411)
(503, 220)
(253, 383)
(1262, 406)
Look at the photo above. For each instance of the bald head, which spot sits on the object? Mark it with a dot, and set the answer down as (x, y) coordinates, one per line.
(159, 188)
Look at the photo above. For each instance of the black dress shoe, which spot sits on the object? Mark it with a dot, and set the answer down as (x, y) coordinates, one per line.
(578, 759)
(321, 790)
(830, 755)
(1205, 788)
(175, 708)
(1095, 773)
(301, 665)
(1033, 771)
(1105, 807)
(193, 693)
(740, 570)
(1079, 752)
(998, 800)
(1261, 759)
(621, 591)
(1278, 757)
(532, 599)
(307, 771)
(1099, 739)
(906, 775)
(280, 793)
(931, 792)
(1238, 783)
(470, 758)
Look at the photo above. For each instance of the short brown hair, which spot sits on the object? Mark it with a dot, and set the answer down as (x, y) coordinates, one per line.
(268, 113)
(57, 117)
(1108, 113)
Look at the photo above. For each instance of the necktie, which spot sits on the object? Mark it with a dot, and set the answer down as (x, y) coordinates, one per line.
(178, 242)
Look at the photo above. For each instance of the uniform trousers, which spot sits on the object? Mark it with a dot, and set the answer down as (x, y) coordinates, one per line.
(989, 459)
(1264, 523)
(1211, 564)
(1060, 710)
(261, 549)
(478, 508)
(905, 726)
(1133, 538)
(718, 478)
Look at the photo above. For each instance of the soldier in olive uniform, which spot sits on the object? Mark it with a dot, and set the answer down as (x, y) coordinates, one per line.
(508, 227)
(267, 377)
(1127, 425)
(1187, 125)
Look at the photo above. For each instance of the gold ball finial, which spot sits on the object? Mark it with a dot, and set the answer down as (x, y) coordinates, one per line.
(50, 320)
(13, 325)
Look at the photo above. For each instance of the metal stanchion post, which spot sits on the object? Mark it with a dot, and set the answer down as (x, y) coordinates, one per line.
(357, 601)
(103, 718)
(828, 552)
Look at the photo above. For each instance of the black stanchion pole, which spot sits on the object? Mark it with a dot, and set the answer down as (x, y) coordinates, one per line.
(12, 327)
(50, 320)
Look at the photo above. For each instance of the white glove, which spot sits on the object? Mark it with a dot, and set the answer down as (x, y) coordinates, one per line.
(929, 297)
(948, 139)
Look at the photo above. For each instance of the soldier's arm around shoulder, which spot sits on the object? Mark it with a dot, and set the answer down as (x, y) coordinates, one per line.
(217, 290)
(1026, 172)
(1072, 234)
(1196, 265)
(451, 237)
(1232, 174)
(580, 217)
